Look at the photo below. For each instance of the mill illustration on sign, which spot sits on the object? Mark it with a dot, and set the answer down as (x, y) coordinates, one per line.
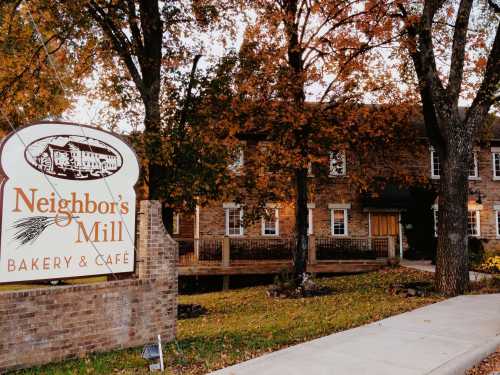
(73, 157)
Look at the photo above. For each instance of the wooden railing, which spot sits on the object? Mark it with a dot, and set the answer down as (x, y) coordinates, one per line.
(261, 248)
(199, 250)
(225, 251)
(339, 248)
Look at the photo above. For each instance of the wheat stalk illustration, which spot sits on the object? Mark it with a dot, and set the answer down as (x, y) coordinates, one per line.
(30, 228)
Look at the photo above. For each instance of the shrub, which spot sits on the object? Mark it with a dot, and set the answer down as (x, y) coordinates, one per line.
(476, 251)
(491, 264)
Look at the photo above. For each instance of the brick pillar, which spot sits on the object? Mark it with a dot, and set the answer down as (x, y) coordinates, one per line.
(157, 252)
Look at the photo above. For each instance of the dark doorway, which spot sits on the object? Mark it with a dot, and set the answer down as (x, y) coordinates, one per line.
(418, 225)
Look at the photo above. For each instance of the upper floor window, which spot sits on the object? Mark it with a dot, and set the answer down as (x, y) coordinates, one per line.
(473, 168)
(436, 165)
(237, 165)
(495, 152)
(270, 222)
(337, 163)
(233, 219)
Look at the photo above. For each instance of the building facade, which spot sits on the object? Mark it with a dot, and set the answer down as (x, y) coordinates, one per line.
(336, 210)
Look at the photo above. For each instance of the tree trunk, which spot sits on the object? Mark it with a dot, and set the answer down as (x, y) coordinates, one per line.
(297, 93)
(452, 276)
(300, 254)
(153, 141)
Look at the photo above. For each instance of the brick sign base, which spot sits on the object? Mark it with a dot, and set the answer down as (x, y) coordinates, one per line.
(39, 326)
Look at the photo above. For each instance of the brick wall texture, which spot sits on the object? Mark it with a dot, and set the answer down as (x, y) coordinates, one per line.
(51, 324)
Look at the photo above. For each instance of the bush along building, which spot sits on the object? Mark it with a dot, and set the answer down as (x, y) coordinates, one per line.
(348, 229)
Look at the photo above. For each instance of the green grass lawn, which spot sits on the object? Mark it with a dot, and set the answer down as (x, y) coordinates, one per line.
(245, 323)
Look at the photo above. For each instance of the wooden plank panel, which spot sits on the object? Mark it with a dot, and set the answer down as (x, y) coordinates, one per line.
(375, 219)
(385, 224)
(272, 268)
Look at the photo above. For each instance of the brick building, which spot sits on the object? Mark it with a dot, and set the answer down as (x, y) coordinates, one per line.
(338, 211)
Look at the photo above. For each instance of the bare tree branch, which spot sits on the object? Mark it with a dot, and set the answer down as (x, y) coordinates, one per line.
(119, 41)
(458, 49)
(488, 91)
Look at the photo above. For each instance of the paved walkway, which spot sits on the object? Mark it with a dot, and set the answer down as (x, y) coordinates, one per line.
(444, 338)
(426, 265)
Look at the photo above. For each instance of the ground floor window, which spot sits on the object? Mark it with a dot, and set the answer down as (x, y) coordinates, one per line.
(435, 164)
(339, 221)
(497, 221)
(435, 215)
(234, 221)
(175, 223)
(310, 220)
(473, 222)
(270, 222)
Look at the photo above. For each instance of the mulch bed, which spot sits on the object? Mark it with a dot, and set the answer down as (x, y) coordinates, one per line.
(488, 366)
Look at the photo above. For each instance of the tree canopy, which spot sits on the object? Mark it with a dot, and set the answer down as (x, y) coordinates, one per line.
(29, 88)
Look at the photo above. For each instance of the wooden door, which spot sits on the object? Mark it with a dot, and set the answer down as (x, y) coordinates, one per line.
(385, 224)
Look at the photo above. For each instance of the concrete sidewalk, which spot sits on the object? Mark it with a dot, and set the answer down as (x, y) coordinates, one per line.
(426, 265)
(444, 338)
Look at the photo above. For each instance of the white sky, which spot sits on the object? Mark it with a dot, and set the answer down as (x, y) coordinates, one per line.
(86, 110)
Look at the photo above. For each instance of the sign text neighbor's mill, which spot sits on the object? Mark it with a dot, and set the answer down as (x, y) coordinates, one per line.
(67, 203)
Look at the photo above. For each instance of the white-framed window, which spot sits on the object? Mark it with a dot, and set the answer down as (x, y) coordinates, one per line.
(310, 219)
(337, 164)
(495, 155)
(339, 219)
(474, 223)
(175, 223)
(233, 219)
(237, 165)
(497, 220)
(339, 222)
(474, 167)
(271, 222)
(435, 164)
(435, 216)
(310, 170)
